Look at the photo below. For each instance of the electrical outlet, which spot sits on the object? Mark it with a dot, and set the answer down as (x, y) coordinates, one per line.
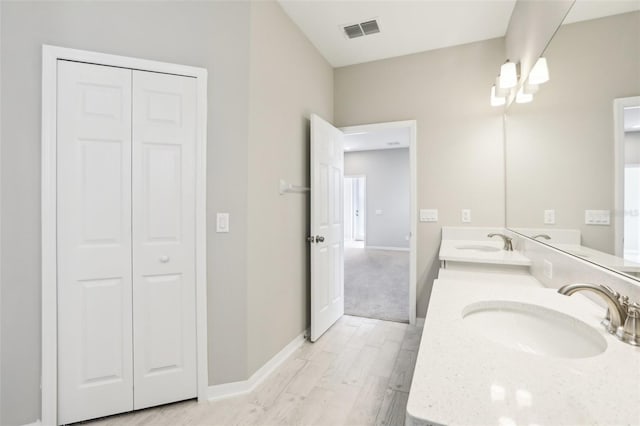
(549, 217)
(465, 215)
(548, 269)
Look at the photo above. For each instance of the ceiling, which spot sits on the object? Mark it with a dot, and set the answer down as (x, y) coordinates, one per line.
(391, 138)
(415, 26)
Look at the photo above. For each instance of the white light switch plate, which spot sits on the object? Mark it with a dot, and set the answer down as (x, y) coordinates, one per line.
(465, 215)
(222, 222)
(428, 215)
(378, 212)
(549, 217)
(597, 217)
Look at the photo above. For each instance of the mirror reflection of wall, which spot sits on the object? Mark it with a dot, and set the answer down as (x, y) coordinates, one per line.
(560, 155)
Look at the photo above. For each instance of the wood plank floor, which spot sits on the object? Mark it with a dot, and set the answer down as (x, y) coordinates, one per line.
(358, 373)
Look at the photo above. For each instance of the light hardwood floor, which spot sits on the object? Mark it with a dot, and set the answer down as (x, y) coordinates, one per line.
(358, 373)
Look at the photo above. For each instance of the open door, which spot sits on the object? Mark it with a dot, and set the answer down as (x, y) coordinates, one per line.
(327, 235)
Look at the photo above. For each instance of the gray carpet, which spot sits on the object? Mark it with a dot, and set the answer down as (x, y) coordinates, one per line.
(376, 284)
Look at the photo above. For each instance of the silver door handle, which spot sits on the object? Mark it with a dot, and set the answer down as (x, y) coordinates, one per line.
(164, 259)
(319, 239)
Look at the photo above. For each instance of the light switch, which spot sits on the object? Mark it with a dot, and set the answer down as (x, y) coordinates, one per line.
(597, 217)
(549, 217)
(465, 215)
(378, 212)
(222, 222)
(428, 215)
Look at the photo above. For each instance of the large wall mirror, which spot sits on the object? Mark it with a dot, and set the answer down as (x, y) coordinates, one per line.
(573, 153)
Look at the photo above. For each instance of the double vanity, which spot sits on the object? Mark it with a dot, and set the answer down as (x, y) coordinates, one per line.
(501, 347)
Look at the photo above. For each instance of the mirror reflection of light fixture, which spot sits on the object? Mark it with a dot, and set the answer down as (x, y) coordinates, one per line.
(523, 98)
(540, 72)
(508, 75)
(496, 100)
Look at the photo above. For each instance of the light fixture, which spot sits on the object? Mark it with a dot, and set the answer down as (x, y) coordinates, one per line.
(496, 100)
(523, 98)
(540, 72)
(508, 75)
(501, 93)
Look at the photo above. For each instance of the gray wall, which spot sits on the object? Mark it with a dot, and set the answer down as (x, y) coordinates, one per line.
(289, 81)
(560, 146)
(459, 135)
(228, 39)
(388, 189)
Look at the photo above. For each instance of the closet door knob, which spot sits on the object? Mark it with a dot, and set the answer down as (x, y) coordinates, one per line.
(164, 259)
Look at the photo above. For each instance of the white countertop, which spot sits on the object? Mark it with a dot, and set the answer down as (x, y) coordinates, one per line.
(450, 251)
(463, 378)
(605, 259)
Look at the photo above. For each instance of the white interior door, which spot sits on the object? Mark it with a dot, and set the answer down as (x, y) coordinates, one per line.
(94, 241)
(327, 249)
(360, 208)
(164, 292)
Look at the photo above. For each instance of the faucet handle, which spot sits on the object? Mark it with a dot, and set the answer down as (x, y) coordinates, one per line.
(630, 332)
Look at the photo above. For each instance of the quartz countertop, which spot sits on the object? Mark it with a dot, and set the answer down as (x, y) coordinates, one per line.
(463, 378)
(605, 259)
(450, 250)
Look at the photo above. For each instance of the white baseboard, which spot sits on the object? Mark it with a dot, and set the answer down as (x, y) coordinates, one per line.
(387, 248)
(228, 390)
(419, 322)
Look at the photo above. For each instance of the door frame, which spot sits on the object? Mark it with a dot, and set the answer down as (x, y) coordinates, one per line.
(50, 56)
(412, 125)
(618, 159)
(364, 186)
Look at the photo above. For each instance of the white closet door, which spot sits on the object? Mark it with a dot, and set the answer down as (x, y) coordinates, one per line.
(164, 309)
(94, 241)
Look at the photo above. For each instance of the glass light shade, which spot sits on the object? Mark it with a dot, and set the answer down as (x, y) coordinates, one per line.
(496, 100)
(508, 75)
(501, 93)
(523, 98)
(540, 72)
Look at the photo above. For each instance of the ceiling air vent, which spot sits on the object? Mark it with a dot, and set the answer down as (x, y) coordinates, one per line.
(370, 27)
(353, 31)
(364, 28)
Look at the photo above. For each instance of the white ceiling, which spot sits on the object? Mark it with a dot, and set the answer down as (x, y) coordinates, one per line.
(392, 138)
(405, 26)
(416, 26)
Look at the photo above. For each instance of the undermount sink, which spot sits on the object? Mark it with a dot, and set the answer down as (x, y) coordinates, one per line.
(534, 329)
(477, 247)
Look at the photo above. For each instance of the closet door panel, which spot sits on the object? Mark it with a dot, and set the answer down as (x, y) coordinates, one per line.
(164, 118)
(95, 376)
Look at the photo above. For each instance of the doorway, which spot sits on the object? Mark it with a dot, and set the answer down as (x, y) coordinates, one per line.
(355, 211)
(627, 178)
(377, 222)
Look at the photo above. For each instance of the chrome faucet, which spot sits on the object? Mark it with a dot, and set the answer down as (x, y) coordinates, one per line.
(617, 313)
(545, 236)
(508, 246)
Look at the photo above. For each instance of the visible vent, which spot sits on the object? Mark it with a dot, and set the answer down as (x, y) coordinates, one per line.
(370, 27)
(364, 28)
(353, 31)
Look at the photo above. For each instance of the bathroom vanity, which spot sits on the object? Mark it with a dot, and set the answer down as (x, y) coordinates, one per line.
(500, 347)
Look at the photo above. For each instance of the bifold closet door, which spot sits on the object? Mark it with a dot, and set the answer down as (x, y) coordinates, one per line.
(126, 240)
(95, 376)
(164, 310)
